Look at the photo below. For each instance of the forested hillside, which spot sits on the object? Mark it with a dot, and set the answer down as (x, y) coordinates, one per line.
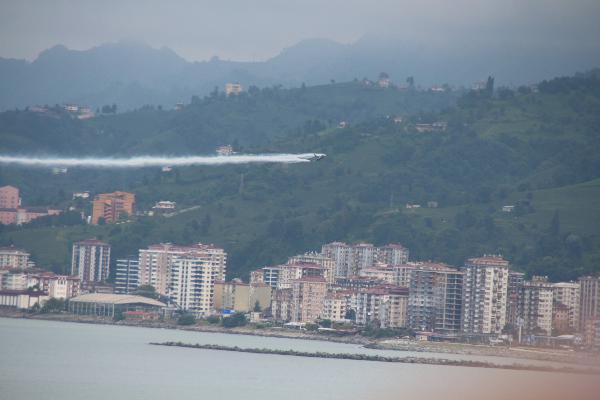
(538, 150)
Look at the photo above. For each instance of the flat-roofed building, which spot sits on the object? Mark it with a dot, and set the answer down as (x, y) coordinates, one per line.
(112, 206)
(193, 277)
(308, 295)
(515, 284)
(392, 254)
(485, 292)
(435, 298)
(385, 306)
(589, 300)
(242, 297)
(327, 263)
(127, 275)
(9, 197)
(535, 306)
(156, 263)
(90, 261)
(568, 294)
(13, 257)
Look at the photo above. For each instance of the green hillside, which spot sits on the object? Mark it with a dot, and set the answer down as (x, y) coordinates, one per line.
(538, 151)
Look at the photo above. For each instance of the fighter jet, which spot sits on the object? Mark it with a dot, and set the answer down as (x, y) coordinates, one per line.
(314, 157)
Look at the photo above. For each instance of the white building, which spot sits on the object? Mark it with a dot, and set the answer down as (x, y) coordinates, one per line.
(13, 280)
(12, 257)
(193, 278)
(157, 263)
(327, 263)
(90, 261)
(22, 299)
(485, 292)
(127, 275)
(392, 254)
(233, 88)
(568, 294)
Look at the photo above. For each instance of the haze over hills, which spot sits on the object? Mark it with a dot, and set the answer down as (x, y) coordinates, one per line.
(132, 74)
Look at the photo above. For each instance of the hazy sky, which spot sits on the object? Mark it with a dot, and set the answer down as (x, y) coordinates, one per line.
(258, 29)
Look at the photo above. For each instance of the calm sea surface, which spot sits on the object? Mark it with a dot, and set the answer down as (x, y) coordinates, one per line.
(60, 360)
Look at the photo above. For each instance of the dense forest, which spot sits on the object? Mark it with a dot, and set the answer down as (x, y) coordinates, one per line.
(536, 148)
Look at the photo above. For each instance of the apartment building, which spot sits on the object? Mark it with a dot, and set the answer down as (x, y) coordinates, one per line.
(535, 306)
(385, 306)
(308, 295)
(485, 294)
(9, 197)
(392, 254)
(109, 207)
(127, 275)
(12, 257)
(515, 284)
(90, 261)
(569, 295)
(435, 298)
(589, 300)
(327, 263)
(192, 280)
(242, 297)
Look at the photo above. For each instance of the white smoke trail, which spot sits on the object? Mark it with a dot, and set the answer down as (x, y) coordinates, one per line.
(150, 161)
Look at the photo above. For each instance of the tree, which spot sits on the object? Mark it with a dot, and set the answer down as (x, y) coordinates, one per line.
(186, 319)
(257, 307)
(326, 323)
(350, 315)
(489, 86)
(53, 305)
(237, 319)
(147, 291)
(555, 224)
(411, 81)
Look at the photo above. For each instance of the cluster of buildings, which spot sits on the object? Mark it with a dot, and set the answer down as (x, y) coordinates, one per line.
(23, 286)
(482, 300)
(349, 284)
(13, 213)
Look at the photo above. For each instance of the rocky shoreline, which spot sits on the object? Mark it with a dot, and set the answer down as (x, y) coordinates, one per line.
(378, 358)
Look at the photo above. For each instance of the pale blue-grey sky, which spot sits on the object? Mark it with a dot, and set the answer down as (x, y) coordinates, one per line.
(259, 29)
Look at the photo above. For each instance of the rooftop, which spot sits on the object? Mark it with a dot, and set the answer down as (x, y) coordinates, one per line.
(116, 299)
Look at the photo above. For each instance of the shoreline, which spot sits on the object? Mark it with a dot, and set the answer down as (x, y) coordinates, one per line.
(399, 345)
(378, 358)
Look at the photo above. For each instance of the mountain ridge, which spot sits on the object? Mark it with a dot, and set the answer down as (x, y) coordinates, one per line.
(60, 75)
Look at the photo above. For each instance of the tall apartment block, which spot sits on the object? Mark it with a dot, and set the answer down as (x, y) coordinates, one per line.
(308, 295)
(485, 292)
(515, 284)
(435, 298)
(187, 274)
(569, 295)
(90, 261)
(535, 306)
(193, 279)
(127, 275)
(590, 301)
(112, 206)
